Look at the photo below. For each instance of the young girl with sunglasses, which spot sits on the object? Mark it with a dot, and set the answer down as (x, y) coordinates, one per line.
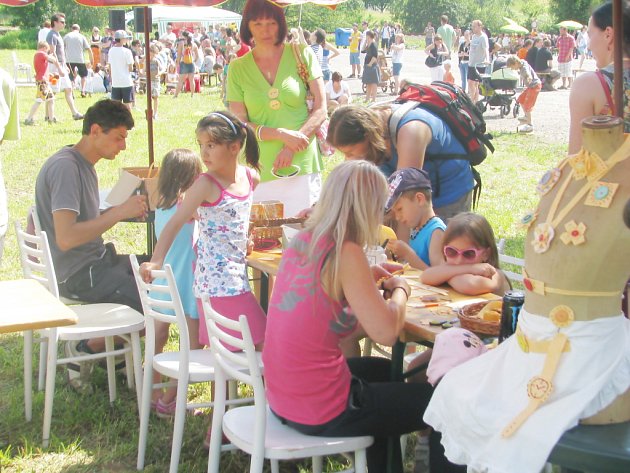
(221, 200)
(471, 259)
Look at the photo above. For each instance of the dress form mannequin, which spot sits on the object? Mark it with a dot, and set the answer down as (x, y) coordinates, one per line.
(602, 263)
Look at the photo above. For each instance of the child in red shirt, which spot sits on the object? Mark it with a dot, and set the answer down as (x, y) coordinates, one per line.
(448, 75)
(44, 93)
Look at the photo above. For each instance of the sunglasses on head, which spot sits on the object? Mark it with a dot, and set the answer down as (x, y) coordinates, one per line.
(468, 254)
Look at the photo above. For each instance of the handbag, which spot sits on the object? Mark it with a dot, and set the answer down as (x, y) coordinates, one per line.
(431, 62)
(322, 132)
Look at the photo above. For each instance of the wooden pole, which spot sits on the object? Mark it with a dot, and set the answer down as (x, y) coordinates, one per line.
(147, 71)
(618, 51)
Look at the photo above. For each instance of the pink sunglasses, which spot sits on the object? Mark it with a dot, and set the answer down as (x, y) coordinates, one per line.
(468, 254)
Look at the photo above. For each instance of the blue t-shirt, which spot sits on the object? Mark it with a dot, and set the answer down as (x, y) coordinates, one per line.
(421, 242)
(451, 179)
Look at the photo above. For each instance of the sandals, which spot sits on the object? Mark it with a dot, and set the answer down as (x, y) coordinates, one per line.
(165, 410)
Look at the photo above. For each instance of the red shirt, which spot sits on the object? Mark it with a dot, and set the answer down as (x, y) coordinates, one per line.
(244, 50)
(565, 46)
(40, 64)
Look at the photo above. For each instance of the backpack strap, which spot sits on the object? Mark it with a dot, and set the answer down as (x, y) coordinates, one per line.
(606, 87)
(398, 115)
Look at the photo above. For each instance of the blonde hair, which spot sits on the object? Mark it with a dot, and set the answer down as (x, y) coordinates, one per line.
(180, 168)
(477, 229)
(351, 208)
(513, 60)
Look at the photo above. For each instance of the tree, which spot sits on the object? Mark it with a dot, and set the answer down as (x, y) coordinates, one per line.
(377, 4)
(33, 15)
(578, 10)
(414, 14)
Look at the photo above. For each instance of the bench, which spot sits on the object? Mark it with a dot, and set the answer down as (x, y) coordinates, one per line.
(204, 75)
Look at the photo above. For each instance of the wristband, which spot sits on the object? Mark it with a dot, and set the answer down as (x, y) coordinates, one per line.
(259, 132)
(402, 289)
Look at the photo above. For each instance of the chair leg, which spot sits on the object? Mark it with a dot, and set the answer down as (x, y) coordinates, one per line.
(129, 366)
(28, 375)
(145, 412)
(360, 461)
(180, 419)
(137, 366)
(51, 370)
(275, 466)
(214, 452)
(318, 464)
(41, 374)
(111, 369)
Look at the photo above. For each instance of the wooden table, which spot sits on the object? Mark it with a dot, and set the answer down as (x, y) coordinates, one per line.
(27, 305)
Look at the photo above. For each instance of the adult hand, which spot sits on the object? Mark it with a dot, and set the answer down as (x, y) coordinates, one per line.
(296, 141)
(390, 284)
(284, 159)
(483, 269)
(134, 207)
(305, 213)
(146, 268)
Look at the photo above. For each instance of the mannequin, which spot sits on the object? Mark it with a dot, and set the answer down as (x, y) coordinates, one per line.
(569, 360)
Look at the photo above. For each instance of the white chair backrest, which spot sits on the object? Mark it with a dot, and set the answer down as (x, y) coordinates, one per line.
(510, 260)
(241, 364)
(36, 259)
(35, 216)
(160, 301)
(14, 57)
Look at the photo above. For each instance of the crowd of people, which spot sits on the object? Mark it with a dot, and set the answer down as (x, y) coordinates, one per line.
(326, 292)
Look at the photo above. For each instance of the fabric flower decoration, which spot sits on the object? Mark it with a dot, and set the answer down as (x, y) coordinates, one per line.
(574, 233)
(561, 316)
(543, 234)
(528, 219)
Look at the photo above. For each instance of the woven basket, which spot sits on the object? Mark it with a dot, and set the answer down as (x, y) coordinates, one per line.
(468, 319)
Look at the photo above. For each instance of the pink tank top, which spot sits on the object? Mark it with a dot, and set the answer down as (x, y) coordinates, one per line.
(306, 375)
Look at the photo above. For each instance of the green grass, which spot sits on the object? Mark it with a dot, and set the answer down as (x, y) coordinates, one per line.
(89, 435)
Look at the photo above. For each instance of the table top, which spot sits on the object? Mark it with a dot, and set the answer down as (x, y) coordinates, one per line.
(27, 305)
(420, 313)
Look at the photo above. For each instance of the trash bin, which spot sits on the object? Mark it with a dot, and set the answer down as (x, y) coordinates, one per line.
(342, 36)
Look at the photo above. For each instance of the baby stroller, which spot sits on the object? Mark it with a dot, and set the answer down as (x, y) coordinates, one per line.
(498, 89)
(385, 70)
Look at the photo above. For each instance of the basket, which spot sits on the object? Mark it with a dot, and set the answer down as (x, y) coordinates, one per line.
(468, 319)
(266, 238)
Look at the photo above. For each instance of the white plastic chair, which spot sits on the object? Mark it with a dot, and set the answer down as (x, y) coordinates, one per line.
(254, 429)
(95, 320)
(21, 68)
(185, 366)
(511, 260)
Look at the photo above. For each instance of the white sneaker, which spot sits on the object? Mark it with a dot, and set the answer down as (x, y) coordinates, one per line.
(525, 128)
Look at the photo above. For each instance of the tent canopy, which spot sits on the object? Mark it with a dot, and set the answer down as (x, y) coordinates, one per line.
(187, 16)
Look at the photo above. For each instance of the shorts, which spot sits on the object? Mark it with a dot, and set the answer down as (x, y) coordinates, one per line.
(232, 307)
(396, 67)
(474, 71)
(528, 97)
(156, 88)
(44, 92)
(81, 69)
(355, 59)
(122, 94)
(186, 68)
(448, 211)
(371, 75)
(384, 43)
(326, 74)
(565, 69)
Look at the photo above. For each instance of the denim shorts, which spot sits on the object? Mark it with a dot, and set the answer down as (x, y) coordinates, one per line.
(326, 74)
(396, 67)
(355, 58)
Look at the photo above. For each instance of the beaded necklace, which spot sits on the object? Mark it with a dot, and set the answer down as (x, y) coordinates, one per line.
(417, 230)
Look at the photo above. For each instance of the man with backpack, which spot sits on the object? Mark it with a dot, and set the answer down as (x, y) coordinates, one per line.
(435, 128)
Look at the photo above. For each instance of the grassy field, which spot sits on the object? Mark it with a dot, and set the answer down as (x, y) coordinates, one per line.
(89, 434)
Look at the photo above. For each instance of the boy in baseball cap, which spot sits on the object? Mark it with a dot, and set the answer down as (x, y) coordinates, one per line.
(411, 205)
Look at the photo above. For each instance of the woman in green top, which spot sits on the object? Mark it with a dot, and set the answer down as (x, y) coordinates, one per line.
(265, 90)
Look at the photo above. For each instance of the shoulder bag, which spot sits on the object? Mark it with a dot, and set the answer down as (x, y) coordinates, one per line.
(322, 132)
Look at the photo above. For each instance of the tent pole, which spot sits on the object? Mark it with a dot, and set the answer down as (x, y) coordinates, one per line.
(147, 71)
(618, 52)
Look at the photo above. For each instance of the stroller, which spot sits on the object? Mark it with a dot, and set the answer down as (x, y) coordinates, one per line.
(499, 89)
(387, 76)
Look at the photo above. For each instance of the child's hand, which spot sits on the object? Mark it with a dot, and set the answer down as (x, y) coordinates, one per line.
(399, 248)
(379, 272)
(145, 270)
(483, 269)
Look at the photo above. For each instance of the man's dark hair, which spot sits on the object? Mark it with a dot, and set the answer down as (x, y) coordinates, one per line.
(56, 17)
(107, 114)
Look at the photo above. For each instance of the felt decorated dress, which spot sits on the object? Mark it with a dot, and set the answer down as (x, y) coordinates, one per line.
(504, 411)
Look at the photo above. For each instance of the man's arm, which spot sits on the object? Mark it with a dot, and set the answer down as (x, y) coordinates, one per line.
(70, 233)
